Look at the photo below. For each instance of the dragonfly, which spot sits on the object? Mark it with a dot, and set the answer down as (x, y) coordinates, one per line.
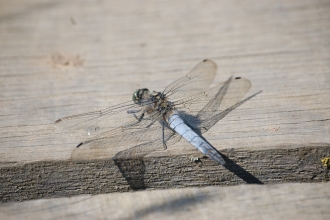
(151, 121)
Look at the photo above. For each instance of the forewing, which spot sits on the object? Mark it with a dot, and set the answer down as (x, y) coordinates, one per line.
(205, 109)
(197, 80)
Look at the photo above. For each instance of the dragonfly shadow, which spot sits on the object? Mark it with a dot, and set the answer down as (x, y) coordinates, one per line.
(240, 172)
(133, 172)
(132, 169)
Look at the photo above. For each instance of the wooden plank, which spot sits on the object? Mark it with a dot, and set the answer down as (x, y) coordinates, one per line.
(63, 58)
(65, 178)
(283, 201)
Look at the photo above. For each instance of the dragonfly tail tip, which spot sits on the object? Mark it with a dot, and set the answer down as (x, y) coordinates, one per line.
(80, 144)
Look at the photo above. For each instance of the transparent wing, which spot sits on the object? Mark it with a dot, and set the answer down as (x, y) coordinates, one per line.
(153, 139)
(124, 128)
(131, 142)
(197, 80)
(90, 124)
(205, 109)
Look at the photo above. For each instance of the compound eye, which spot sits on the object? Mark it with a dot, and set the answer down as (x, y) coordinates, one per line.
(135, 96)
(140, 94)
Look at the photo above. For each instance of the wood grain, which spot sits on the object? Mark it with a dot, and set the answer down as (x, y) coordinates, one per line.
(283, 201)
(60, 58)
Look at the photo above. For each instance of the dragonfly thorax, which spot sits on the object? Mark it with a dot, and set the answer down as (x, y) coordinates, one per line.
(161, 102)
(155, 101)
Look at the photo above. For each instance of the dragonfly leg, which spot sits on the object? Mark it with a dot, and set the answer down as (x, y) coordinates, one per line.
(138, 118)
(164, 144)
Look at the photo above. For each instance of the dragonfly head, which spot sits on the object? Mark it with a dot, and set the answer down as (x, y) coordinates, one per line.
(140, 94)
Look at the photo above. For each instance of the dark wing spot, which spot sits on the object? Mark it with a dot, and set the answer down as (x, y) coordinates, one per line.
(237, 77)
(80, 144)
(205, 60)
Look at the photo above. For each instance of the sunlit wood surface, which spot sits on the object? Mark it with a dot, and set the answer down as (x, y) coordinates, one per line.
(59, 58)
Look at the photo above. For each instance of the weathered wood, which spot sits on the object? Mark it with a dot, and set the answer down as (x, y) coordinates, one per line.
(65, 178)
(284, 201)
(64, 58)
